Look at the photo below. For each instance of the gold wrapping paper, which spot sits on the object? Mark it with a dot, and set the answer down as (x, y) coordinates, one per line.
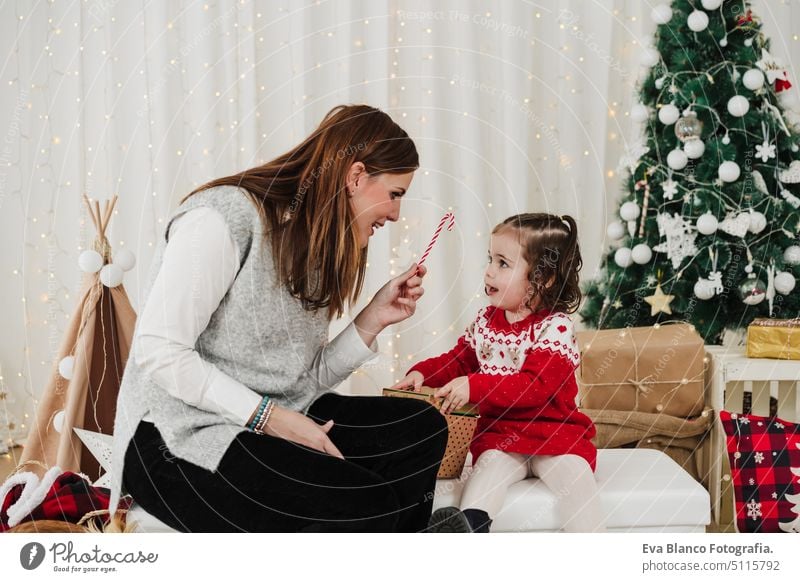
(774, 338)
(655, 369)
(460, 425)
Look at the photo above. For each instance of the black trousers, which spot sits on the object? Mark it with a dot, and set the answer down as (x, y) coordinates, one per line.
(392, 448)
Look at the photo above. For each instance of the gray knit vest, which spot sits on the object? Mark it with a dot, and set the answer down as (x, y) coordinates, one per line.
(259, 335)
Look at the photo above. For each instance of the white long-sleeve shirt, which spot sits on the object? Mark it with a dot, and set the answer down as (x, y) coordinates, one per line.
(199, 265)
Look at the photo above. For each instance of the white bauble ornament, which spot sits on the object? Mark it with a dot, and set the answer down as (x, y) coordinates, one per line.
(697, 21)
(125, 259)
(758, 222)
(629, 211)
(661, 14)
(694, 148)
(90, 261)
(111, 275)
(791, 256)
(726, 139)
(753, 79)
(723, 42)
(641, 254)
(677, 159)
(639, 113)
(707, 224)
(66, 366)
(784, 283)
(58, 421)
(659, 83)
(623, 257)
(711, 4)
(748, 42)
(668, 114)
(729, 171)
(704, 289)
(738, 105)
(615, 230)
(649, 57)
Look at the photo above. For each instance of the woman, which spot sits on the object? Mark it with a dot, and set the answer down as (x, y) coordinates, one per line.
(226, 420)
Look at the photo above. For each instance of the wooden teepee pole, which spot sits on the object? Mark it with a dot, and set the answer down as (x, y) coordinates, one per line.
(91, 212)
(101, 220)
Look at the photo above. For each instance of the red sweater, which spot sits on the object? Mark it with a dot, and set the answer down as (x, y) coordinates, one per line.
(522, 377)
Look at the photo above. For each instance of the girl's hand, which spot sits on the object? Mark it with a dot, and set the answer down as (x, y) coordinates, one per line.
(455, 394)
(298, 428)
(413, 381)
(397, 300)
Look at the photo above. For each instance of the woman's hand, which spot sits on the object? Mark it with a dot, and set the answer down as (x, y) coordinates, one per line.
(455, 394)
(413, 381)
(298, 428)
(396, 301)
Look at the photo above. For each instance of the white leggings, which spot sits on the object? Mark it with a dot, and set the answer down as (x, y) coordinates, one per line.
(568, 476)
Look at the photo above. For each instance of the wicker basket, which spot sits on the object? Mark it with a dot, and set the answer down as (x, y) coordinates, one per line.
(460, 424)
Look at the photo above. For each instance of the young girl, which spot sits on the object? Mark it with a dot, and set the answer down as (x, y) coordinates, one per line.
(517, 362)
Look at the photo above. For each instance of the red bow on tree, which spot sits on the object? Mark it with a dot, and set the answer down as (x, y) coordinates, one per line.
(782, 84)
(748, 17)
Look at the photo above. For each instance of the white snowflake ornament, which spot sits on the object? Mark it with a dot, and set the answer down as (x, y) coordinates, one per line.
(670, 188)
(680, 238)
(765, 151)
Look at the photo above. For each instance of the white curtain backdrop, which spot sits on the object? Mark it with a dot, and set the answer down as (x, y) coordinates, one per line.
(515, 106)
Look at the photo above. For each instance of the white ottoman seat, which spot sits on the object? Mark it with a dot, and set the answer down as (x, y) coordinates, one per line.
(642, 490)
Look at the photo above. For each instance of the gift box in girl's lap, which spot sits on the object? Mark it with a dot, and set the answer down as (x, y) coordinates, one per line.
(460, 425)
(657, 369)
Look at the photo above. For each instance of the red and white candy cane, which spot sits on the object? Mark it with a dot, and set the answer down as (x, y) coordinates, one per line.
(442, 222)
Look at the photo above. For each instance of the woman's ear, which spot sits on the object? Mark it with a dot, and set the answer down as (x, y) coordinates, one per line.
(354, 174)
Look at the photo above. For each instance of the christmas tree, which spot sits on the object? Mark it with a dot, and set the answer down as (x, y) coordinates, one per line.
(708, 226)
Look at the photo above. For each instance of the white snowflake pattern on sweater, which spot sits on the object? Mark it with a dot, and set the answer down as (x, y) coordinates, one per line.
(500, 352)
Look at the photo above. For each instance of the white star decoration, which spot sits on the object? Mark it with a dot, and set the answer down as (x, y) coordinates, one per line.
(765, 151)
(759, 456)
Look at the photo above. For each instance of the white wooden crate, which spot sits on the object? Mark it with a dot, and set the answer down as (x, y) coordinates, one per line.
(730, 376)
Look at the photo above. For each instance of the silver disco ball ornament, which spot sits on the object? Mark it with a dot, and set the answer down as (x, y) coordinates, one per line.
(752, 291)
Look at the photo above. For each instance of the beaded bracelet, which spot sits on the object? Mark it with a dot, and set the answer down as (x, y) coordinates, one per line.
(262, 425)
(259, 413)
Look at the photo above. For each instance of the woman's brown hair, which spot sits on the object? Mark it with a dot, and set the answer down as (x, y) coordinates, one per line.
(550, 246)
(302, 200)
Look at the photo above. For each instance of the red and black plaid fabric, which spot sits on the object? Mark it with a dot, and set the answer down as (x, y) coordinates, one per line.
(762, 452)
(68, 499)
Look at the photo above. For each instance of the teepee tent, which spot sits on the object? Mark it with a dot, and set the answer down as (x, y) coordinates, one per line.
(82, 391)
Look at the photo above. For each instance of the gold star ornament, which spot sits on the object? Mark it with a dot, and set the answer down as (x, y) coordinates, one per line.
(659, 301)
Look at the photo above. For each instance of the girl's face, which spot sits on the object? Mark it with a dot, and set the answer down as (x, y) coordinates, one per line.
(506, 278)
(375, 199)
